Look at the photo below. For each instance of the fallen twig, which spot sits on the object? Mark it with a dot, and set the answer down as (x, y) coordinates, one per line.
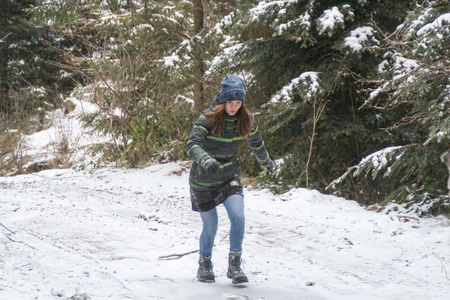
(23, 266)
(14, 241)
(176, 256)
(7, 228)
(443, 268)
(398, 258)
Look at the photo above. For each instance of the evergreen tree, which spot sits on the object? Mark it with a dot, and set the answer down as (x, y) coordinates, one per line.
(313, 64)
(296, 54)
(12, 16)
(31, 77)
(411, 83)
(199, 64)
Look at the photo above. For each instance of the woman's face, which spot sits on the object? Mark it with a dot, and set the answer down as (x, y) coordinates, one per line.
(231, 107)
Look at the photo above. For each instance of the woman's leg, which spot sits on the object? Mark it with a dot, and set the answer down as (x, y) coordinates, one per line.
(210, 221)
(235, 209)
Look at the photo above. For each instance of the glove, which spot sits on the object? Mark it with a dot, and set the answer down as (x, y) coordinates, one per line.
(210, 165)
(269, 165)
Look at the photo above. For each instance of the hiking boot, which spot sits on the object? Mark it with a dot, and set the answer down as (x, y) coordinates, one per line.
(234, 268)
(205, 272)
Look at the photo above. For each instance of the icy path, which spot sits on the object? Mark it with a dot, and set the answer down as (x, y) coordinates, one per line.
(101, 234)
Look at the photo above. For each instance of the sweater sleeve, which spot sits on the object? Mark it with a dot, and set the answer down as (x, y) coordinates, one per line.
(195, 141)
(257, 144)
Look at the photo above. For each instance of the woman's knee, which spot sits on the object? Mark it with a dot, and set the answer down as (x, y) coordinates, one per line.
(235, 205)
(210, 221)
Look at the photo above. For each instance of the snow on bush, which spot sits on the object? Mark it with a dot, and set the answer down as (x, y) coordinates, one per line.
(307, 85)
(359, 37)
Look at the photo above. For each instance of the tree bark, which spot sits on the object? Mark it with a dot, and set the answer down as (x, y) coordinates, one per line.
(4, 86)
(199, 66)
(146, 14)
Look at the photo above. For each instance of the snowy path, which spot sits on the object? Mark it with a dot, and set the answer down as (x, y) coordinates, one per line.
(102, 234)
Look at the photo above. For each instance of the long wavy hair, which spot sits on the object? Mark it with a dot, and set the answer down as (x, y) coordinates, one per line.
(217, 120)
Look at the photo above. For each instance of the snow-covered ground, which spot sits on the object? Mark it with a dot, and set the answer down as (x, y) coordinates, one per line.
(106, 234)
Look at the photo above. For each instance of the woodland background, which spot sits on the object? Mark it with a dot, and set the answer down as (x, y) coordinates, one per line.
(352, 97)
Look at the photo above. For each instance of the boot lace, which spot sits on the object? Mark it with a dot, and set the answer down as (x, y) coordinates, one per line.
(236, 264)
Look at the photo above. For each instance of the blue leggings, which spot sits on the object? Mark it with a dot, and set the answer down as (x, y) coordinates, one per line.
(235, 209)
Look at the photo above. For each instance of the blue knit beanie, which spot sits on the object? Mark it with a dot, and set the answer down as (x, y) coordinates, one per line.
(232, 89)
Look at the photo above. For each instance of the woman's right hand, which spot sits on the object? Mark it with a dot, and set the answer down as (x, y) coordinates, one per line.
(269, 166)
(210, 165)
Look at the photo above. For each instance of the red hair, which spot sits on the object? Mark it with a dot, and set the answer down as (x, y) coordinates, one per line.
(217, 120)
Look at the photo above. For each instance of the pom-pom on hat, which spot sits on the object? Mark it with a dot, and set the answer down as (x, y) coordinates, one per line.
(232, 89)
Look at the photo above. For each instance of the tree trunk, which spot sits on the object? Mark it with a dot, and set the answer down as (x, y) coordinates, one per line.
(4, 87)
(146, 14)
(199, 66)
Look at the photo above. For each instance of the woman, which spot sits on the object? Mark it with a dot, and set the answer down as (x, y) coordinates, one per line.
(214, 177)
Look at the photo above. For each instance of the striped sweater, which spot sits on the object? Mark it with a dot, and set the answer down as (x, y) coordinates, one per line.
(202, 144)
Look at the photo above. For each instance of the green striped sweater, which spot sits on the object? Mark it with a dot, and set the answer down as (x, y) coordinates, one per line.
(202, 144)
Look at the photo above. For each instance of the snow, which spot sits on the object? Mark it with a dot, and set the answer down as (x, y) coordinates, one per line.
(383, 67)
(303, 21)
(65, 129)
(358, 38)
(441, 22)
(403, 66)
(308, 80)
(379, 159)
(373, 94)
(137, 29)
(230, 49)
(114, 18)
(330, 19)
(227, 21)
(265, 7)
(406, 64)
(104, 232)
(170, 61)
